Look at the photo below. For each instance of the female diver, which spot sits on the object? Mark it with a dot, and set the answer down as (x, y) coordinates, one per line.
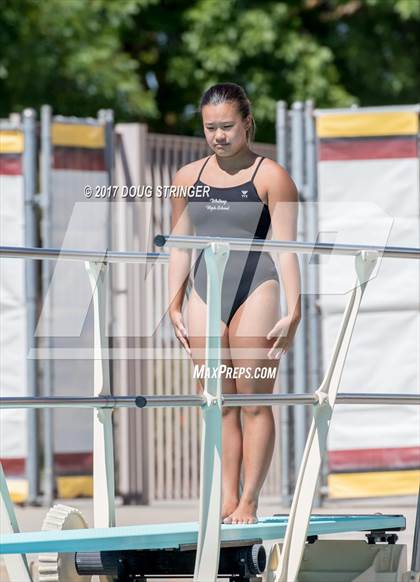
(246, 194)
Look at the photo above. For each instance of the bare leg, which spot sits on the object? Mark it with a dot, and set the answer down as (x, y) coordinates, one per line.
(249, 347)
(231, 421)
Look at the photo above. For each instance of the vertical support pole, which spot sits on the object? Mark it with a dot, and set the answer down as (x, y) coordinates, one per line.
(103, 446)
(208, 546)
(131, 227)
(145, 424)
(106, 116)
(281, 133)
(46, 163)
(299, 346)
(282, 158)
(29, 174)
(312, 341)
(16, 564)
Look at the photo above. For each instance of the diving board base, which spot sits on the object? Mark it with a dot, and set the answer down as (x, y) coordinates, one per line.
(240, 562)
(345, 561)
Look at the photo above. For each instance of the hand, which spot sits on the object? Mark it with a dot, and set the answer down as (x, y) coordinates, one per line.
(284, 331)
(179, 328)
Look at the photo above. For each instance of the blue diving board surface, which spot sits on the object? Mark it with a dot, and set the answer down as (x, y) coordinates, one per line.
(173, 535)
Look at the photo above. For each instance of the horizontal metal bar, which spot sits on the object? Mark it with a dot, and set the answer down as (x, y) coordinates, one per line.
(415, 107)
(6, 125)
(236, 244)
(292, 399)
(177, 401)
(73, 402)
(77, 255)
(173, 401)
(245, 244)
(77, 120)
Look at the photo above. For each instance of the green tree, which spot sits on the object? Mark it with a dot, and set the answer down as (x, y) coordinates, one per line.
(150, 60)
(336, 52)
(70, 54)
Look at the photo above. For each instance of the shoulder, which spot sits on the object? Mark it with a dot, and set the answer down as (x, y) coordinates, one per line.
(188, 174)
(277, 181)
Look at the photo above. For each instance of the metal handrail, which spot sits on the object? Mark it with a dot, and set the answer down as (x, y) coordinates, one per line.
(235, 244)
(192, 401)
(105, 256)
(244, 244)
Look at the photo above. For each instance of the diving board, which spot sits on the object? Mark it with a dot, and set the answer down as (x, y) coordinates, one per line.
(174, 535)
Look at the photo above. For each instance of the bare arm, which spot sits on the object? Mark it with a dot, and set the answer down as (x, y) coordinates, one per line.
(283, 206)
(179, 259)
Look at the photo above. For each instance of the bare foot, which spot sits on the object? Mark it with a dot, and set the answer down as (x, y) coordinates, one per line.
(229, 505)
(246, 512)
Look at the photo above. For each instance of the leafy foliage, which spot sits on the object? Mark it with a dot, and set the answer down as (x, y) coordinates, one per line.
(150, 60)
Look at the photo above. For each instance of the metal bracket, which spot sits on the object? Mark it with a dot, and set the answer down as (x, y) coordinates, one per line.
(375, 537)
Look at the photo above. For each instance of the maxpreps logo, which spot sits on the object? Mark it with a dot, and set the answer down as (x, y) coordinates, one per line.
(204, 372)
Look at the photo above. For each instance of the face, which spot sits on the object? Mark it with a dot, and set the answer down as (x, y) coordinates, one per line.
(224, 128)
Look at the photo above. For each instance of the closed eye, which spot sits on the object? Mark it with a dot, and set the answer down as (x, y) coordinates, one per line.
(211, 128)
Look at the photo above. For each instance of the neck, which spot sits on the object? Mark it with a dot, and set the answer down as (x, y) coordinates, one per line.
(242, 159)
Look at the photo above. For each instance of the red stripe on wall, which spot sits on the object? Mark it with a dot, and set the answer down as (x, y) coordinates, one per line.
(14, 467)
(66, 158)
(367, 149)
(73, 463)
(354, 460)
(64, 464)
(10, 165)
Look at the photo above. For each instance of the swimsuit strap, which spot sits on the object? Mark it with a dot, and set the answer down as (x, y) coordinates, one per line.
(202, 168)
(253, 175)
(256, 169)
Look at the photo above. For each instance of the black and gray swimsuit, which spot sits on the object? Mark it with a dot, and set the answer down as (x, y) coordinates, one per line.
(234, 211)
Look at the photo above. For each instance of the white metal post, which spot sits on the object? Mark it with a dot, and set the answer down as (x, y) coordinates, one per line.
(16, 564)
(208, 546)
(103, 446)
(284, 375)
(31, 283)
(300, 359)
(46, 364)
